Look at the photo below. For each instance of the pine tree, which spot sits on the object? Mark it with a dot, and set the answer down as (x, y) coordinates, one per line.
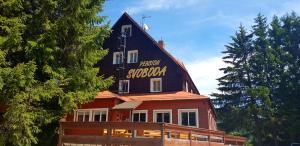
(289, 87)
(263, 65)
(245, 85)
(265, 104)
(233, 102)
(48, 54)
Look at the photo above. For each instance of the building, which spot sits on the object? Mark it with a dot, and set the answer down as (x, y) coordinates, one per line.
(153, 101)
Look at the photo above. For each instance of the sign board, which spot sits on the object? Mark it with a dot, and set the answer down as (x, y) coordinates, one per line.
(149, 68)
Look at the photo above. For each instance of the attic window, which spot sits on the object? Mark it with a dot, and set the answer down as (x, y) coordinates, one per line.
(155, 85)
(132, 56)
(124, 86)
(126, 30)
(118, 57)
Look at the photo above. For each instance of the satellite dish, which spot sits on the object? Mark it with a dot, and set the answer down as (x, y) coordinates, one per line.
(146, 27)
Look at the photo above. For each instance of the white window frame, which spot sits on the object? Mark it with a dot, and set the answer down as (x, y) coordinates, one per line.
(126, 26)
(100, 110)
(84, 111)
(132, 52)
(155, 112)
(138, 112)
(91, 113)
(152, 86)
(128, 81)
(188, 110)
(115, 57)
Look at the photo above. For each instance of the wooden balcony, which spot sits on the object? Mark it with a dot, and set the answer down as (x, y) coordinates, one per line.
(141, 134)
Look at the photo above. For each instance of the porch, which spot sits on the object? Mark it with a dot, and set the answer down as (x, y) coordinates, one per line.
(141, 134)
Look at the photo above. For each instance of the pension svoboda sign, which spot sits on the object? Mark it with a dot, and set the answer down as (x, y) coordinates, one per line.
(149, 68)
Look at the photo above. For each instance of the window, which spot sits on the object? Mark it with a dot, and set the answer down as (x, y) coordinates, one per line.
(124, 86)
(139, 116)
(132, 56)
(99, 115)
(188, 117)
(162, 116)
(86, 115)
(155, 85)
(83, 116)
(126, 30)
(118, 58)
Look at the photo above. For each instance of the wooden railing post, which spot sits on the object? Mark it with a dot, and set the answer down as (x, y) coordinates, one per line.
(109, 134)
(162, 133)
(169, 134)
(133, 134)
(190, 137)
(209, 138)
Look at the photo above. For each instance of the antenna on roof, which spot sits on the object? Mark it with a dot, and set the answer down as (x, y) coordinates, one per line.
(144, 25)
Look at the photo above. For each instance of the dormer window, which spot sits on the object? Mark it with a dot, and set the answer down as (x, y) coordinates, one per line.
(126, 30)
(118, 57)
(155, 85)
(132, 56)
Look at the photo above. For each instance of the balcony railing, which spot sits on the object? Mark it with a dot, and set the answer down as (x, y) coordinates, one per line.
(141, 134)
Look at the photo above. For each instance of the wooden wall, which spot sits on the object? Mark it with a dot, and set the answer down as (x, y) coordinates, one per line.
(174, 78)
(202, 106)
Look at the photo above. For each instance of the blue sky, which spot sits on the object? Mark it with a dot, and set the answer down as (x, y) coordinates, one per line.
(195, 31)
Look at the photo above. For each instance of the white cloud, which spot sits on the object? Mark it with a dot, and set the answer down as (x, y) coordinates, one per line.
(204, 73)
(154, 5)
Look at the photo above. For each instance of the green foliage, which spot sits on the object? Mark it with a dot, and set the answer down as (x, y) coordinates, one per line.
(260, 89)
(48, 52)
(2, 140)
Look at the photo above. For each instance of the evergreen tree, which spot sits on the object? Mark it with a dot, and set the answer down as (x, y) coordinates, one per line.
(244, 98)
(48, 54)
(289, 87)
(265, 103)
(263, 66)
(233, 102)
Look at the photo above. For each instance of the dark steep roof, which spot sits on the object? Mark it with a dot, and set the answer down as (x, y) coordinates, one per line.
(176, 61)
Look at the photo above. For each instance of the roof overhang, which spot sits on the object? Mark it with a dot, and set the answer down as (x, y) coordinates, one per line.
(127, 105)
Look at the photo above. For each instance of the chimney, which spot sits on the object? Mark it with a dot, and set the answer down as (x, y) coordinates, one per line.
(161, 44)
